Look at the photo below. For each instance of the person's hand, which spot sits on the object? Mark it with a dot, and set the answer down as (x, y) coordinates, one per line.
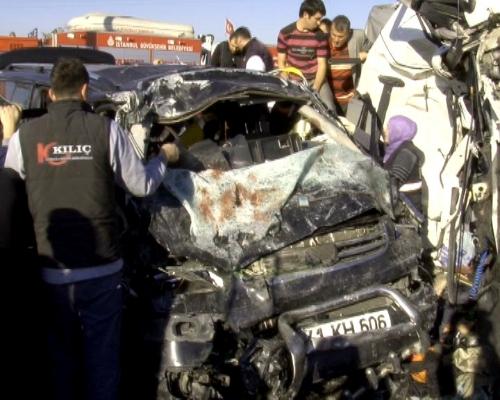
(9, 118)
(171, 152)
(349, 96)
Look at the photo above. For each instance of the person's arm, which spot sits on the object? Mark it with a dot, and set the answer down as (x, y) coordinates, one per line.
(130, 172)
(282, 48)
(322, 54)
(14, 157)
(362, 51)
(281, 60)
(9, 118)
(403, 165)
(320, 73)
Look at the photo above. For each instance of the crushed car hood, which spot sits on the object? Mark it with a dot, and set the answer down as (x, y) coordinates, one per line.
(179, 95)
(231, 218)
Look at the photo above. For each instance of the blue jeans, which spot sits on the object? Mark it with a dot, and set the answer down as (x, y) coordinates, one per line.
(84, 338)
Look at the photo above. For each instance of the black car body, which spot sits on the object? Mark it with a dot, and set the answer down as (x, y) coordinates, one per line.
(260, 277)
(287, 270)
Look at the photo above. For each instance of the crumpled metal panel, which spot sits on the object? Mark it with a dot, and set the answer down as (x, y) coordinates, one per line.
(231, 218)
(179, 95)
(131, 110)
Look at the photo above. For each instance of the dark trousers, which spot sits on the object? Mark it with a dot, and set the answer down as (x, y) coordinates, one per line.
(84, 338)
(23, 323)
(16, 226)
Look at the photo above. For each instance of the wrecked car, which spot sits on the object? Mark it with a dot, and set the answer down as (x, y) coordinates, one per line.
(278, 264)
(294, 272)
(288, 271)
(279, 260)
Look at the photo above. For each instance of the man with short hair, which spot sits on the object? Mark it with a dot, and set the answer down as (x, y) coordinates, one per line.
(255, 55)
(346, 55)
(304, 46)
(223, 56)
(70, 159)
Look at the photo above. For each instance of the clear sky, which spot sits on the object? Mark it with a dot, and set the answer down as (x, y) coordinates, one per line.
(264, 17)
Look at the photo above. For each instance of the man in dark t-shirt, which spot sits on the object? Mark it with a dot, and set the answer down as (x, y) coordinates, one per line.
(304, 46)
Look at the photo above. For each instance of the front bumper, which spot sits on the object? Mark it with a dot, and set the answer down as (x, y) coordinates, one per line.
(314, 355)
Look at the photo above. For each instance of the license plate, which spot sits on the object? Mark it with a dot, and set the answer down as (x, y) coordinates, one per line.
(367, 322)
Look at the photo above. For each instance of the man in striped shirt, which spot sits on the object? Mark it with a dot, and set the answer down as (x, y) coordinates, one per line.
(347, 53)
(304, 46)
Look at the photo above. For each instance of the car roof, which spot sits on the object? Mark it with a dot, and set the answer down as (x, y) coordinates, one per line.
(129, 77)
(40, 74)
(49, 55)
(103, 77)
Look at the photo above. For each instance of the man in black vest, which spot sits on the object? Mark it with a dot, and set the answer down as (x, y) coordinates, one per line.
(255, 55)
(223, 57)
(70, 159)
